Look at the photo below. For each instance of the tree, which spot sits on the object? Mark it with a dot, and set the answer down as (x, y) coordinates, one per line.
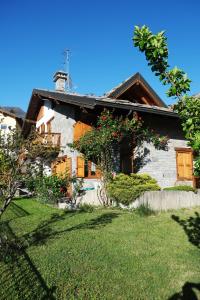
(101, 144)
(20, 159)
(156, 51)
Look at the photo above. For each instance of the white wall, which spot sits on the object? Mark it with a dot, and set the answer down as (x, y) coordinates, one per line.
(48, 114)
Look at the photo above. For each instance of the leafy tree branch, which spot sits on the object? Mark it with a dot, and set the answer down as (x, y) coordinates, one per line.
(156, 52)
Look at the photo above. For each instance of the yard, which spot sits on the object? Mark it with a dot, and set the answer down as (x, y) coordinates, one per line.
(105, 254)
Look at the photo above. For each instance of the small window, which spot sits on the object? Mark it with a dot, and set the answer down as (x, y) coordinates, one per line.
(3, 126)
(93, 169)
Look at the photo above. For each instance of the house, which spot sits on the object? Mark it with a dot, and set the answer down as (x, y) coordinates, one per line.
(64, 117)
(11, 118)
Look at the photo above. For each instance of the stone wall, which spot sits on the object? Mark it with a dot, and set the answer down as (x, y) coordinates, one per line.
(161, 164)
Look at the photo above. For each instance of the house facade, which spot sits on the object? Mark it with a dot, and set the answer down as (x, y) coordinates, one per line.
(9, 120)
(63, 117)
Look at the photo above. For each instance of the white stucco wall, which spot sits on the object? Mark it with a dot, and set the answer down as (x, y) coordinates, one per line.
(9, 121)
(48, 114)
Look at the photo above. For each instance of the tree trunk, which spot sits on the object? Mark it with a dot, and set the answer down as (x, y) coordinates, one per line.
(6, 203)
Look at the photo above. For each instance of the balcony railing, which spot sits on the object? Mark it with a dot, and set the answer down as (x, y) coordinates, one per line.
(50, 139)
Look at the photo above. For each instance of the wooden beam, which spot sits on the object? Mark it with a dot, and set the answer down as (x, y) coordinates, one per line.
(145, 101)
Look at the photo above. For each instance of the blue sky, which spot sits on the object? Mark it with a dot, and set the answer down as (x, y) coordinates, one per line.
(99, 35)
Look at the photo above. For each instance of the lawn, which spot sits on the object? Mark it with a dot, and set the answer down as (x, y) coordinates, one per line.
(105, 254)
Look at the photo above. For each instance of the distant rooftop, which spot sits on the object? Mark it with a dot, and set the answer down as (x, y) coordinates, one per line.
(14, 110)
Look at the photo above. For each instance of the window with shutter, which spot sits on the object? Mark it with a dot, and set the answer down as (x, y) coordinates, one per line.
(87, 169)
(184, 162)
(61, 166)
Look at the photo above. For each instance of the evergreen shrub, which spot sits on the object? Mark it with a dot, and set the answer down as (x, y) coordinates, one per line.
(125, 189)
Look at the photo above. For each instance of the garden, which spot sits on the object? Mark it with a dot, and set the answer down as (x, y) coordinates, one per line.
(99, 254)
(103, 252)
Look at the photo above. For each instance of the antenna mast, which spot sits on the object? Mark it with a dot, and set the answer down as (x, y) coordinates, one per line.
(66, 54)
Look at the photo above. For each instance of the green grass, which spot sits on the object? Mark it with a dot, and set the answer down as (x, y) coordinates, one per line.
(104, 254)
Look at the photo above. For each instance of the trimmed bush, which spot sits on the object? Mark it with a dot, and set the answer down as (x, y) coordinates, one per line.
(127, 188)
(186, 188)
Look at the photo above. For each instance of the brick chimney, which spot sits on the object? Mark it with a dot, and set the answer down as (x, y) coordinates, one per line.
(60, 78)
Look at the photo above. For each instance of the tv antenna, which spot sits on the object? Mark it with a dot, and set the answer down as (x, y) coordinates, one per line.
(66, 55)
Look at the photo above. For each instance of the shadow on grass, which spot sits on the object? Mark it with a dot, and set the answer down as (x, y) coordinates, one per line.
(17, 210)
(20, 275)
(191, 226)
(44, 232)
(188, 292)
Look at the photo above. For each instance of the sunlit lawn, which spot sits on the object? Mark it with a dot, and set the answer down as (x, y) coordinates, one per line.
(106, 254)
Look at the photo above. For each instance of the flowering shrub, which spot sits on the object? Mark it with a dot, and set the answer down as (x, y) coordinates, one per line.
(49, 189)
(101, 144)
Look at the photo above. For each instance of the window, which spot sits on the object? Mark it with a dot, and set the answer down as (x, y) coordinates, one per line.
(87, 169)
(3, 126)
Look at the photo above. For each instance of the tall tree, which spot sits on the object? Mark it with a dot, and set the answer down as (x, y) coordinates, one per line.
(156, 52)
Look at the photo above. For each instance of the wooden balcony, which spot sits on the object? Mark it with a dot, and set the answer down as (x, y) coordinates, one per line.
(49, 139)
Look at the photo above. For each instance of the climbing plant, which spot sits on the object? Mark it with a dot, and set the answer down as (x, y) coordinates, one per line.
(101, 144)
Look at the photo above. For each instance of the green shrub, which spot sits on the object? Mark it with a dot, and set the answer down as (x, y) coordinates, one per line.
(186, 188)
(49, 189)
(127, 188)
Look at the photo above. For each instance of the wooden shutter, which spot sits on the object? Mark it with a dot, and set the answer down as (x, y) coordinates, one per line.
(49, 127)
(80, 166)
(80, 129)
(184, 162)
(61, 166)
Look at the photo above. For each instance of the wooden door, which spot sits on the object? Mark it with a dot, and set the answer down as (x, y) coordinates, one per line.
(184, 161)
